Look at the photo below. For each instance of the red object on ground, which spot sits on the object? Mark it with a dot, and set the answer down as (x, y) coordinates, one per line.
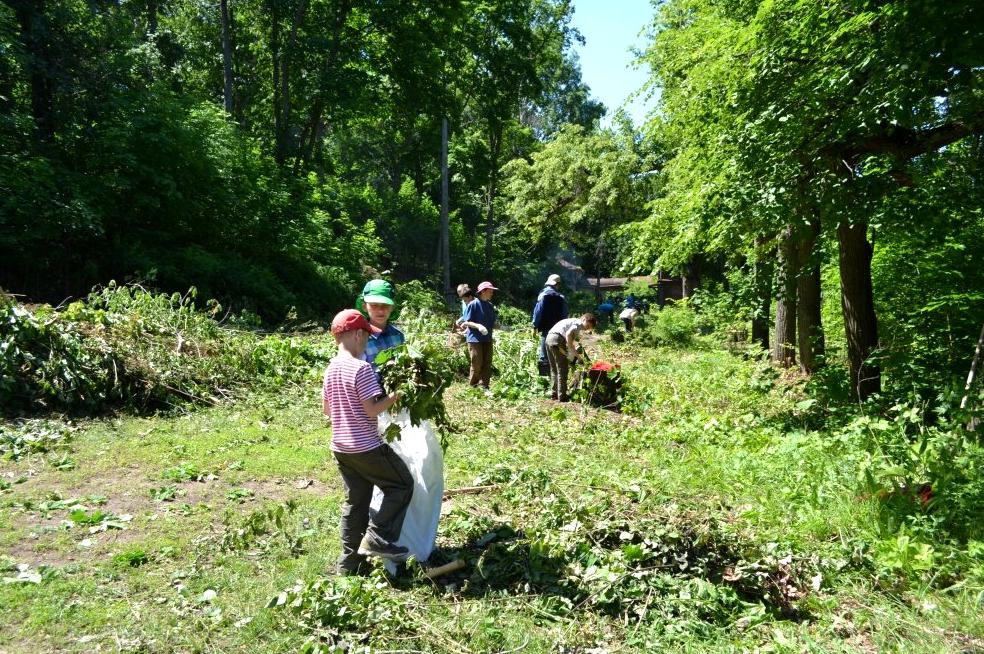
(604, 365)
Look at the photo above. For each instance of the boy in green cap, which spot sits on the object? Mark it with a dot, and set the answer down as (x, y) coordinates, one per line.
(378, 303)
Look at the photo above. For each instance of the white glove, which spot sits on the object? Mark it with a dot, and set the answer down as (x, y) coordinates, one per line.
(482, 330)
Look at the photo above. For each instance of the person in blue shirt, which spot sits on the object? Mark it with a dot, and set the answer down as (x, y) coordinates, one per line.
(479, 316)
(378, 303)
(466, 295)
(606, 309)
(550, 308)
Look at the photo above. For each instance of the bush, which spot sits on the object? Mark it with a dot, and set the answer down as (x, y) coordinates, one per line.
(413, 296)
(127, 346)
(514, 318)
(719, 311)
(43, 363)
(674, 326)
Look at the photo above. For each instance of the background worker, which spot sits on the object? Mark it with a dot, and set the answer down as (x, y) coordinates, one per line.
(550, 308)
(628, 316)
(562, 351)
(479, 317)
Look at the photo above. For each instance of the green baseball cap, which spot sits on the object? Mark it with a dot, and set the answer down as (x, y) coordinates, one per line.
(377, 291)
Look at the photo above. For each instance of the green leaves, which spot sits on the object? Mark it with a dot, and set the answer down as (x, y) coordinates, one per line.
(421, 377)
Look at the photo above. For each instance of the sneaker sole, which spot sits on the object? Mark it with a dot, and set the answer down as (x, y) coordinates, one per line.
(384, 555)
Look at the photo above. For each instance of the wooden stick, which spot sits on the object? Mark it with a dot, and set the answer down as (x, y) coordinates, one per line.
(468, 490)
(447, 568)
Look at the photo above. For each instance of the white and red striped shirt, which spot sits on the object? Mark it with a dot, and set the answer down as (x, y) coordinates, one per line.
(347, 382)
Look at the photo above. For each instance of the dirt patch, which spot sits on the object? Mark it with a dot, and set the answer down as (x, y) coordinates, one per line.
(48, 540)
(285, 489)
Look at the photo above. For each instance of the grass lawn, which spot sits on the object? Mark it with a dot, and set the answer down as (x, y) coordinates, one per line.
(713, 515)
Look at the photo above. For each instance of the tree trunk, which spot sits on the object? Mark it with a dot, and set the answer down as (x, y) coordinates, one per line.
(151, 17)
(495, 144)
(690, 279)
(784, 343)
(278, 131)
(315, 129)
(857, 302)
(810, 329)
(445, 220)
(33, 30)
(971, 378)
(226, 54)
(762, 280)
(285, 61)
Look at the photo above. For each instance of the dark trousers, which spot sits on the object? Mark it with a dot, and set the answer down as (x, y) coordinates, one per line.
(380, 467)
(559, 365)
(480, 362)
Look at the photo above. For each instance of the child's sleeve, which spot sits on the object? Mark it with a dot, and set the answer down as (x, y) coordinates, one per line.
(366, 384)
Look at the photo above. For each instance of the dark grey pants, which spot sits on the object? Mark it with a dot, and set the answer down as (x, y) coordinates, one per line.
(380, 467)
(559, 365)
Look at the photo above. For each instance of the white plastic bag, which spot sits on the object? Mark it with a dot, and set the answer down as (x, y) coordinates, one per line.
(420, 449)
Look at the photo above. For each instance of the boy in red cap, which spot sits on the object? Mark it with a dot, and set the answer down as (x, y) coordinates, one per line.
(352, 399)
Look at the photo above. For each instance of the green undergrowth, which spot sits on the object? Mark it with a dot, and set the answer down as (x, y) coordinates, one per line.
(125, 347)
(723, 509)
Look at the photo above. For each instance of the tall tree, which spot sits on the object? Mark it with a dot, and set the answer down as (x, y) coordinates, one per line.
(226, 19)
(761, 89)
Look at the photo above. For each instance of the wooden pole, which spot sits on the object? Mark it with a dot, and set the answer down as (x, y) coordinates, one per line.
(445, 220)
(447, 568)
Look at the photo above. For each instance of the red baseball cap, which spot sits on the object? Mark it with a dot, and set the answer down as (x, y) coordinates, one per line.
(486, 285)
(349, 319)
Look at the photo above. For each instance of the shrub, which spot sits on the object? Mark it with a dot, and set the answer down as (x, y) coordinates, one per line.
(127, 346)
(43, 363)
(673, 326)
(513, 317)
(414, 296)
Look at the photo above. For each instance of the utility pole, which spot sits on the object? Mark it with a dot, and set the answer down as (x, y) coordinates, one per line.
(445, 219)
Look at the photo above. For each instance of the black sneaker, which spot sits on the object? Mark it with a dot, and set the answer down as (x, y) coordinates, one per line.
(382, 550)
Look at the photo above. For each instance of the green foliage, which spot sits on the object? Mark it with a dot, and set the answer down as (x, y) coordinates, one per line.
(132, 167)
(512, 317)
(413, 296)
(18, 440)
(924, 475)
(264, 528)
(515, 364)
(336, 608)
(719, 311)
(674, 326)
(126, 346)
(420, 373)
(131, 558)
(44, 362)
(575, 188)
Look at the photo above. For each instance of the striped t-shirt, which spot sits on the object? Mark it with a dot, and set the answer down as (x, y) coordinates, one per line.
(348, 381)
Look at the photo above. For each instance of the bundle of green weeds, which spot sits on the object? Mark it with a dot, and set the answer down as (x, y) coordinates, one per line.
(420, 373)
